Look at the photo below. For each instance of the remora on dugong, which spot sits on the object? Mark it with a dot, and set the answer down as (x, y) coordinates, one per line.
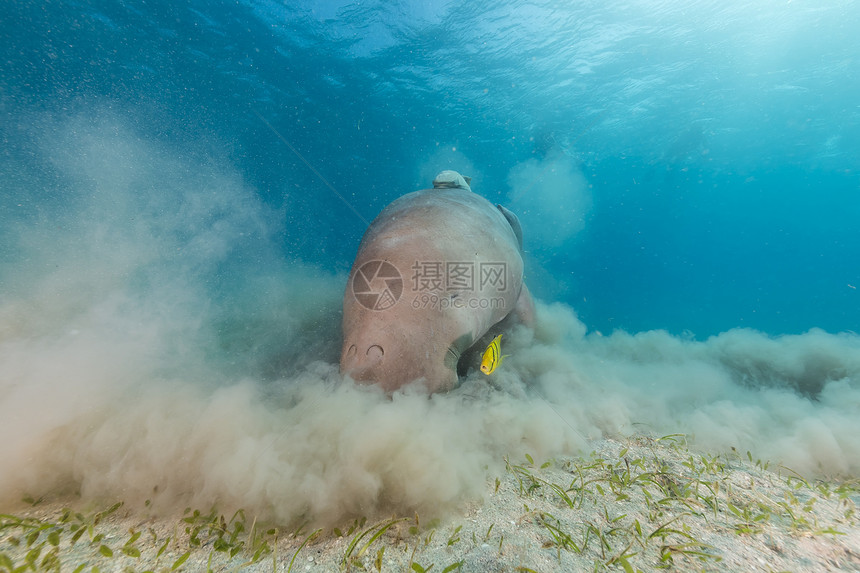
(435, 271)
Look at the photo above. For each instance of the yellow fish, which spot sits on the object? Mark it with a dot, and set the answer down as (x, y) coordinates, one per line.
(492, 356)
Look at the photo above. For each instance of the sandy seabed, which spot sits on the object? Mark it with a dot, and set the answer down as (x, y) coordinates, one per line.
(638, 504)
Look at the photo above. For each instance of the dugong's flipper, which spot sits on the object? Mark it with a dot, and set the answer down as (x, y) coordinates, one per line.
(525, 308)
(515, 224)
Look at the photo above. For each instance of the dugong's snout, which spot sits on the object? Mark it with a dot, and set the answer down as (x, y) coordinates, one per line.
(393, 363)
(362, 362)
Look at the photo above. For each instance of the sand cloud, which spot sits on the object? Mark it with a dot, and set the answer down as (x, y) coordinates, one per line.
(551, 197)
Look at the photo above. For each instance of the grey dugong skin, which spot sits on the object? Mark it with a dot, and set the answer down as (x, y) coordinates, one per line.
(435, 318)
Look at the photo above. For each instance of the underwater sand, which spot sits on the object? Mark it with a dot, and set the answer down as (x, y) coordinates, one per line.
(640, 504)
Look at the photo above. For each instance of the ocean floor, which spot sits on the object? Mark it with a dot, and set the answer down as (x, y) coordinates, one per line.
(637, 504)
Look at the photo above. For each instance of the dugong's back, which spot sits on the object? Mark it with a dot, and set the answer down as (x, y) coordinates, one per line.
(435, 270)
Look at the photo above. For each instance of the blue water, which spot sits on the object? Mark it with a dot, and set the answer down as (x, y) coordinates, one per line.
(718, 141)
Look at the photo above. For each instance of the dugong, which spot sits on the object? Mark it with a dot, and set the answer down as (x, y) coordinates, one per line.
(435, 271)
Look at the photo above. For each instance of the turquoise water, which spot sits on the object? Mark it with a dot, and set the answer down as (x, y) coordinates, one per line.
(710, 149)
